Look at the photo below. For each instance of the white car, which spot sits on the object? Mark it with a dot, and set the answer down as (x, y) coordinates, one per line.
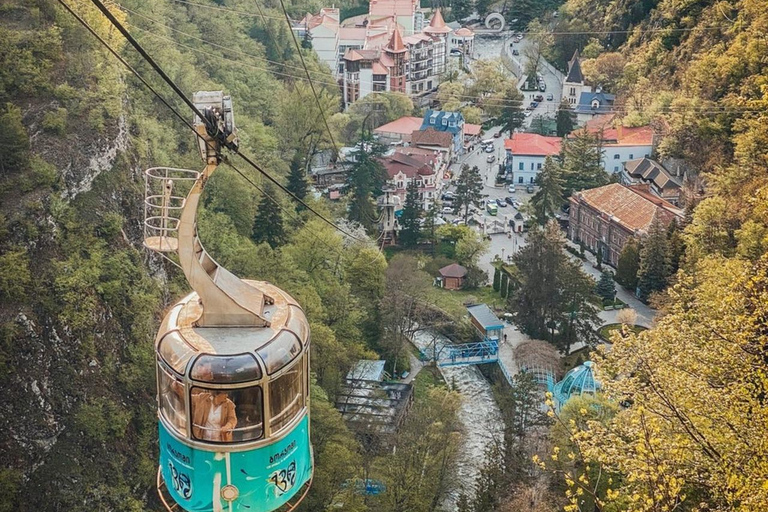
(489, 149)
(447, 209)
(511, 189)
(527, 113)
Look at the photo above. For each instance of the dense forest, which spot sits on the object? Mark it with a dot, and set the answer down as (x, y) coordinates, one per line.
(80, 299)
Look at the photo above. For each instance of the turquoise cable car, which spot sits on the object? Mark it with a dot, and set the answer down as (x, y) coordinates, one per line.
(232, 359)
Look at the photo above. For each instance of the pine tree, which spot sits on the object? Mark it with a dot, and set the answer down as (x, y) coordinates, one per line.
(628, 265)
(599, 258)
(297, 179)
(409, 221)
(581, 157)
(14, 141)
(548, 199)
(365, 179)
(565, 119)
(268, 224)
(469, 191)
(606, 288)
(512, 114)
(429, 226)
(676, 247)
(496, 278)
(654, 262)
(504, 285)
(462, 9)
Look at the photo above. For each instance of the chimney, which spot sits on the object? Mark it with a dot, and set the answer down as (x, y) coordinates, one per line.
(619, 131)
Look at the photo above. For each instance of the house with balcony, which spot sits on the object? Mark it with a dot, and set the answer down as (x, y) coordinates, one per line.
(660, 182)
(408, 165)
(446, 122)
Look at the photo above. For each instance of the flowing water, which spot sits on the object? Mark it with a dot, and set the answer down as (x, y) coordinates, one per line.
(480, 416)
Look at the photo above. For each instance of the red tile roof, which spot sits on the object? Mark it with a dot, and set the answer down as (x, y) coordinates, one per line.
(464, 32)
(472, 129)
(632, 208)
(406, 164)
(431, 137)
(437, 24)
(621, 135)
(396, 42)
(532, 144)
(405, 126)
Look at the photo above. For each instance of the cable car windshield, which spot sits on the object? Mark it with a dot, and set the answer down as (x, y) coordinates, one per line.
(226, 416)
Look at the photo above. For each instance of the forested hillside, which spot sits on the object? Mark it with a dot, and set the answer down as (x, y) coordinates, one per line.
(80, 299)
(691, 432)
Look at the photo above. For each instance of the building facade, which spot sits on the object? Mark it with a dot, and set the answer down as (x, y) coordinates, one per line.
(604, 218)
(526, 153)
(408, 165)
(573, 83)
(660, 182)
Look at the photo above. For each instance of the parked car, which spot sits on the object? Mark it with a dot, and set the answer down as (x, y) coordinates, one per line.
(550, 97)
(501, 203)
(534, 104)
(491, 159)
(539, 98)
(511, 189)
(447, 209)
(489, 149)
(509, 201)
(497, 135)
(517, 204)
(542, 87)
(515, 52)
(529, 189)
(527, 113)
(447, 196)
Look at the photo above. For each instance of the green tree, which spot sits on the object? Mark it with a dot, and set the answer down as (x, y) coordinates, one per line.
(365, 179)
(581, 156)
(469, 191)
(654, 268)
(462, 9)
(549, 198)
(628, 265)
(565, 119)
(554, 299)
(409, 220)
(268, 224)
(606, 288)
(14, 141)
(470, 246)
(539, 125)
(504, 285)
(496, 278)
(297, 179)
(512, 113)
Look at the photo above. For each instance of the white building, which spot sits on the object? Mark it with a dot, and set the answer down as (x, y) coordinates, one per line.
(526, 153)
(573, 84)
(621, 144)
(324, 32)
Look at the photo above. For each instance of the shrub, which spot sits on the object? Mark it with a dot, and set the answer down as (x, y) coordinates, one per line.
(56, 121)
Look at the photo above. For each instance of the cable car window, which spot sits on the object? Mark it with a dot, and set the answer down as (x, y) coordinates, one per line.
(171, 393)
(286, 397)
(226, 369)
(280, 351)
(176, 352)
(226, 416)
(298, 324)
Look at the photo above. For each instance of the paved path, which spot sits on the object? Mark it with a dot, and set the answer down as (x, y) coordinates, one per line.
(645, 314)
(416, 367)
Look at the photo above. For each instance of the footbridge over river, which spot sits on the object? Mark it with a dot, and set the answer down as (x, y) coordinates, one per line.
(493, 348)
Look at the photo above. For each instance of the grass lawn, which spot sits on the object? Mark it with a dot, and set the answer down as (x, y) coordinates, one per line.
(606, 331)
(429, 376)
(452, 301)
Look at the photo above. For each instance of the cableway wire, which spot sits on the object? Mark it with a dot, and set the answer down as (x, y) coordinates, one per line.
(704, 109)
(189, 125)
(116, 23)
(306, 71)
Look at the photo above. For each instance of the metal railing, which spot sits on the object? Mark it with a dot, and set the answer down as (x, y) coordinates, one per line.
(165, 192)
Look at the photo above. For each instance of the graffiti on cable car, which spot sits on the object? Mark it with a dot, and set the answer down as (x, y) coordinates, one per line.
(181, 482)
(284, 479)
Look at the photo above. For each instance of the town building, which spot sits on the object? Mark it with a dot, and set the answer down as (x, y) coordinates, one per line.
(620, 144)
(649, 172)
(593, 103)
(446, 122)
(604, 218)
(573, 83)
(488, 325)
(463, 40)
(526, 153)
(424, 167)
(399, 130)
(391, 50)
(436, 141)
(452, 276)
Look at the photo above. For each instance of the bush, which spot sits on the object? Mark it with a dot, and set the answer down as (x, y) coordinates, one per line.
(56, 121)
(43, 174)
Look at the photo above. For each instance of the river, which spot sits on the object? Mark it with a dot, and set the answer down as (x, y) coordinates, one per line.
(479, 415)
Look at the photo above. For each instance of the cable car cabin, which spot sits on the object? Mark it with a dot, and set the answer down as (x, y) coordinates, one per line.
(234, 431)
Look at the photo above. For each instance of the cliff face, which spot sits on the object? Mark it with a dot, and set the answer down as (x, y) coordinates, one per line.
(77, 305)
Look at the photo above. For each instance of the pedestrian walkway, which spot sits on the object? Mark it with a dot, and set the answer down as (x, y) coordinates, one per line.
(645, 314)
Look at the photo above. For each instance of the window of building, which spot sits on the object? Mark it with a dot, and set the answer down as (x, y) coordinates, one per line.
(521, 166)
(631, 156)
(616, 156)
(520, 179)
(429, 84)
(532, 180)
(538, 166)
(531, 165)
(286, 397)
(615, 168)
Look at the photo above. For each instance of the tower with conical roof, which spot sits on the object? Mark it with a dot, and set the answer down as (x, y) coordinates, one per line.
(573, 84)
(396, 52)
(439, 31)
